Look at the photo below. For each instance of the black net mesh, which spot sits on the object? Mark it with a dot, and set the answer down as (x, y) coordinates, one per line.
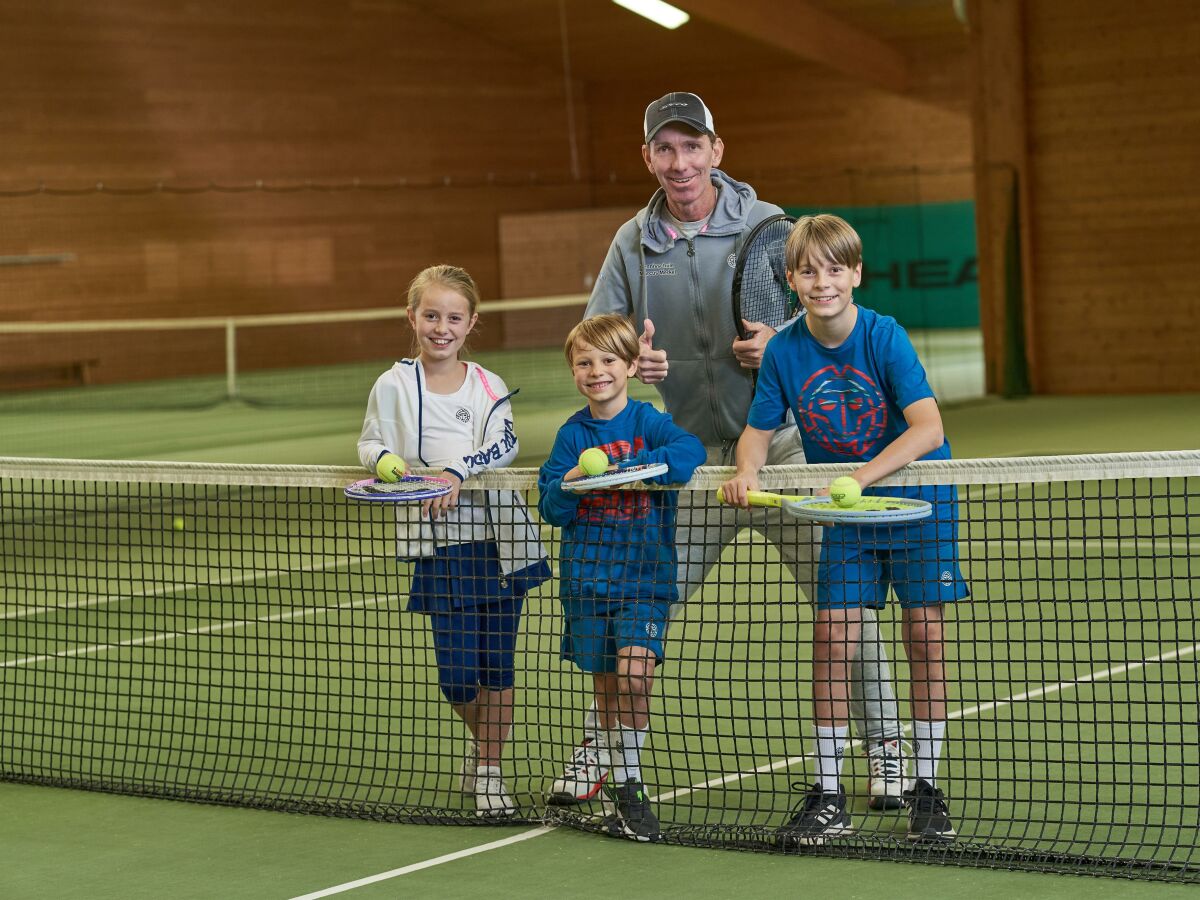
(241, 635)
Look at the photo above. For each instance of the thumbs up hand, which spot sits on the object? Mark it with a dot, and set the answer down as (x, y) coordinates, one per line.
(652, 364)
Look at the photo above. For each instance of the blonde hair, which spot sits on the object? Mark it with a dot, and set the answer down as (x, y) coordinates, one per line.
(451, 277)
(609, 332)
(823, 237)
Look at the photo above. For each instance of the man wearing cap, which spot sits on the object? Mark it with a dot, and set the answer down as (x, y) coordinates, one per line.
(670, 268)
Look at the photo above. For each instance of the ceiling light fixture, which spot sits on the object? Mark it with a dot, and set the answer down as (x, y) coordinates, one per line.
(656, 11)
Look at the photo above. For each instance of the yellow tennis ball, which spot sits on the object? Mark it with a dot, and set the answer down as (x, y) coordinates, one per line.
(845, 491)
(390, 468)
(593, 461)
(178, 523)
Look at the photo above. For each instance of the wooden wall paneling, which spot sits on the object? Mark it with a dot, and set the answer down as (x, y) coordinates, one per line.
(828, 127)
(136, 92)
(1116, 171)
(543, 254)
(549, 254)
(225, 90)
(1002, 192)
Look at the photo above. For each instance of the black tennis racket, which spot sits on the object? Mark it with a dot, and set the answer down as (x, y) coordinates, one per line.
(760, 288)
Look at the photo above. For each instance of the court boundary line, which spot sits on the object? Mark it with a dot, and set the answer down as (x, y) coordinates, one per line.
(426, 864)
(167, 590)
(215, 628)
(956, 715)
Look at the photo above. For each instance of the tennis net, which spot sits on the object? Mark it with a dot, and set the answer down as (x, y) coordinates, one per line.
(239, 635)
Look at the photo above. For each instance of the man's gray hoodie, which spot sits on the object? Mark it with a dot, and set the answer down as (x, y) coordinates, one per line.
(684, 287)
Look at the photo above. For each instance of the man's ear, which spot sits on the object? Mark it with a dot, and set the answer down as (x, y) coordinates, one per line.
(718, 150)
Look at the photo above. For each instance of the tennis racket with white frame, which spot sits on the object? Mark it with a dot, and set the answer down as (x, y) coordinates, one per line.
(409, 489)
(616, 478)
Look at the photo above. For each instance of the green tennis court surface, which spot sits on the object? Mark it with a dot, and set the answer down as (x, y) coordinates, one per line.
(126, 847)
(259, 654)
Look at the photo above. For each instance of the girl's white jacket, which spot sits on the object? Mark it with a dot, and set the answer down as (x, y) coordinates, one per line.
(394, 424)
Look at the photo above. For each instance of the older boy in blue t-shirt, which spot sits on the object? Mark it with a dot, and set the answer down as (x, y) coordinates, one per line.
(859, 393)
(617, 561)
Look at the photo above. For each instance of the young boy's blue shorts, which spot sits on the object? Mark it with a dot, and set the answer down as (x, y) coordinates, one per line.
(595, 630)
(854, 574)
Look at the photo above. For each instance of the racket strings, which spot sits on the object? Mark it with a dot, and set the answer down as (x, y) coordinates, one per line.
(763, 293)
(410, 487)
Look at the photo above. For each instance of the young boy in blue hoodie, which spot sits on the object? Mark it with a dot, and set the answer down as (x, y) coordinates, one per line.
(617, 560)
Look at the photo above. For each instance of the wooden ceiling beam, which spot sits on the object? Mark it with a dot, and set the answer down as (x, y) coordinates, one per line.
(811, 34)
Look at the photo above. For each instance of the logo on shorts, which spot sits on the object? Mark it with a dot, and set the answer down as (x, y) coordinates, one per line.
(652, 629)
(731, 260)
(463, 414)
(947, 577)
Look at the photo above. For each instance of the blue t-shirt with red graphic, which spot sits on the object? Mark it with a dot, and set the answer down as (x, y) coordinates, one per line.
(617, 545)
(849, 401)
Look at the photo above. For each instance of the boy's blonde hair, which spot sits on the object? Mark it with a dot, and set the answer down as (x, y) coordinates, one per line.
(609, 332)
(823, 237)
(450, 277)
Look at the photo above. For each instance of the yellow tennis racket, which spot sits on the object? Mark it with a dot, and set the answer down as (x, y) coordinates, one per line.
(867, 511)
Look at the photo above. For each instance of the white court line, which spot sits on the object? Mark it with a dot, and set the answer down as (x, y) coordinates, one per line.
(963, 713)
(159, 637)
(426, 864)
(167, 590)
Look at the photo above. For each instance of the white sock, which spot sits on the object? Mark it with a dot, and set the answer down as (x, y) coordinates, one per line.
(591, 724)
(616, 754)
(629, 757)
(625, 753)
(831, 743)
(927, 747)
(486, 772)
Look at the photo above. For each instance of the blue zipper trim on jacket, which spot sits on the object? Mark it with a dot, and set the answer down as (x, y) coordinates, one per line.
(420, 414)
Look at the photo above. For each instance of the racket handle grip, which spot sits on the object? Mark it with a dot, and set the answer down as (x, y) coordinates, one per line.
(756, 498)
(763, 498)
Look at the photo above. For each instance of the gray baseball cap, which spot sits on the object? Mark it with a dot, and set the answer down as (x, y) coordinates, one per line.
(678, 106)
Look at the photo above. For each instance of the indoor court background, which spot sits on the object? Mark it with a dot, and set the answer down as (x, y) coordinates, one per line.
(168, 160)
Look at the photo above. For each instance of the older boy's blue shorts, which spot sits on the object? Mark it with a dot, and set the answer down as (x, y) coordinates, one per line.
(594, 632)
(852, 575)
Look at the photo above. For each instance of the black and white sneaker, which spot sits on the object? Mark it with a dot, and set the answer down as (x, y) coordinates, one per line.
(888, 776)
(629, 812)
(928, 817)
(821, 817)
(584, 776)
